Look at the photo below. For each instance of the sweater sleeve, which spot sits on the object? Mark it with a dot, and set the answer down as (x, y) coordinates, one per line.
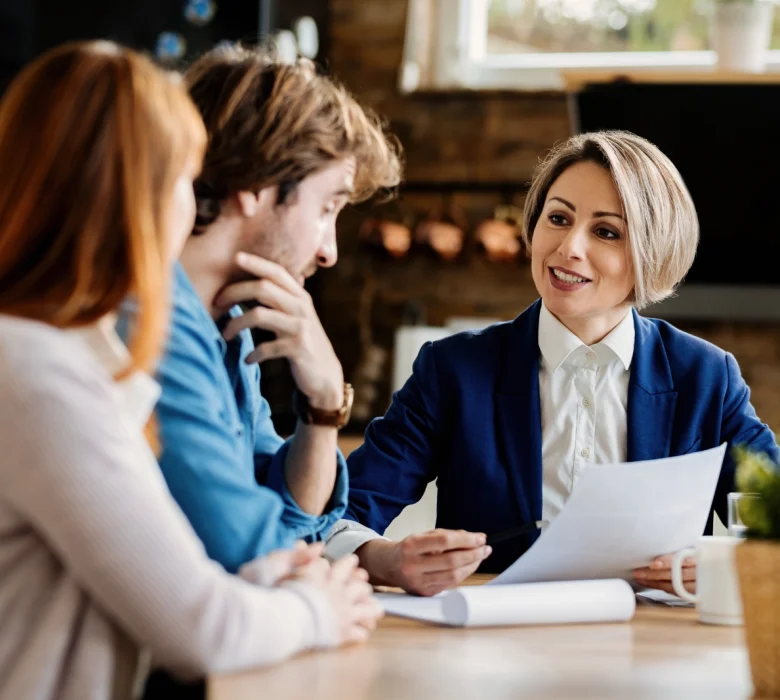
(89, 485)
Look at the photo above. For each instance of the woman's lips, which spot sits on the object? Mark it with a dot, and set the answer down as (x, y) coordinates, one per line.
(566, 285)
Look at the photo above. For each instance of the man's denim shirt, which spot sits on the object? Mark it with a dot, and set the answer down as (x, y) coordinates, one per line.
(222, 458)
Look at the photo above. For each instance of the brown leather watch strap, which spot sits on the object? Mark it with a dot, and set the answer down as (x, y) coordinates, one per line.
(316, 416)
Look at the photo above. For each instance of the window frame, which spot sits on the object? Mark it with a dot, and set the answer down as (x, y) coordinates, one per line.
(462, 61)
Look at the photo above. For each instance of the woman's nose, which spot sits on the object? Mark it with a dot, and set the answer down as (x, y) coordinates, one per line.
(572, 247)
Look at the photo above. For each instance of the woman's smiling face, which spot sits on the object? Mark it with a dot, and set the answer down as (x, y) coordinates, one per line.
(579, 251)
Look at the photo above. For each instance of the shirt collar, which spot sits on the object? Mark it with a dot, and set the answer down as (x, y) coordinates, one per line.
(185, 294)
(557, 343)
(621, 340)
(138, 393)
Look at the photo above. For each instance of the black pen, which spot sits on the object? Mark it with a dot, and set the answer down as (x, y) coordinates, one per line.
(515, 532)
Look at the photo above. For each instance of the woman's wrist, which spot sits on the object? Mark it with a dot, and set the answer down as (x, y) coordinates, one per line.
(377, 557)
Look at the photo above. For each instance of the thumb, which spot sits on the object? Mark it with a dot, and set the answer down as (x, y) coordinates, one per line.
(662, 562)
(270, 569)
(304, 554)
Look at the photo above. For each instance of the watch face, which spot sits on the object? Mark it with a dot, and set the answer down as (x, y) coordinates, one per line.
(346, 409)
(312, 416)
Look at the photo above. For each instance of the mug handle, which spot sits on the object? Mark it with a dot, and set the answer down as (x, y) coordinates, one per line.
(677, 582)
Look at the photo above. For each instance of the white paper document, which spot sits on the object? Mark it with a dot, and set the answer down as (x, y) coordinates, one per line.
(566, 602)
(619, 517)
(653, 596)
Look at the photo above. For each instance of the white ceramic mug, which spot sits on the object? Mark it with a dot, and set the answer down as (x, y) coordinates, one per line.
(717, 585)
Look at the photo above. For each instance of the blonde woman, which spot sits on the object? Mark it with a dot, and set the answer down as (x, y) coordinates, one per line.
(97, 562)
(508, 418)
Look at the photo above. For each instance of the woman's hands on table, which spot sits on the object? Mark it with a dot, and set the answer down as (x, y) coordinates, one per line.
(344, 583)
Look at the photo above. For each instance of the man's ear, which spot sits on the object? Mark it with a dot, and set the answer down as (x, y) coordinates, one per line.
(248, 203)
(252, 203)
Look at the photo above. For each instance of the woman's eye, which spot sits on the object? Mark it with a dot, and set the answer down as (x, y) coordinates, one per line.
(607, 234)
(557, 219)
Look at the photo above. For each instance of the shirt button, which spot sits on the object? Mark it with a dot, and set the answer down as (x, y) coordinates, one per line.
(586, 402)
(585, 452)
(591, 355)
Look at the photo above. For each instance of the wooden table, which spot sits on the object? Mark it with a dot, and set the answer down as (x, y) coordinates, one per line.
(663, 653)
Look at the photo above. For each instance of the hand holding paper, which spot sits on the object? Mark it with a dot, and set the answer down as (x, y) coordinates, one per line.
(426, 563)
(659, 574)
(622, 516)
(619, 518)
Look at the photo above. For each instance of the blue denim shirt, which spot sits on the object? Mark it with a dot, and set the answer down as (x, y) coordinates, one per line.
(222, 458)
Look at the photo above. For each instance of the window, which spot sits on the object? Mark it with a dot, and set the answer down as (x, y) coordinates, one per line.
(596, 26)
(527, 43)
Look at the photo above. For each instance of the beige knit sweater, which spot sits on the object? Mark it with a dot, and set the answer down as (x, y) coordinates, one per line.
(97, 562)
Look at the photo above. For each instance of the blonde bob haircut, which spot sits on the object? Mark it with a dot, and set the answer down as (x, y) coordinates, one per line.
(663, 228)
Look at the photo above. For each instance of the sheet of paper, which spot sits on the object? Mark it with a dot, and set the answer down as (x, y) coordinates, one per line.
(567, 602)
(620, 516)
(653, 596)
(412, 607)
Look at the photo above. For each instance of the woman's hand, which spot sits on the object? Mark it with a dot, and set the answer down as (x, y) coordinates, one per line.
(659, 574)
(347, 587)
(281, 564)
(426, 563)
(343, 583)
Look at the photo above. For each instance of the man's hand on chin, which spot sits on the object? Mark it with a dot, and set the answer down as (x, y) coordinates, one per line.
(287, 310)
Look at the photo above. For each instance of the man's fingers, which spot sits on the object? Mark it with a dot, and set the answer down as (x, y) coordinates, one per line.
(265, 318)
(438, 541)
(265, 269)
(270, 351)
(264, 292)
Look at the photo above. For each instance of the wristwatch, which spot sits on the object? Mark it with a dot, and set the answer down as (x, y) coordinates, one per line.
(316, 416)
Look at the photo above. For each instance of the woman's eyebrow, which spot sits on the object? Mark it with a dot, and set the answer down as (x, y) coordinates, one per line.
(596, 214)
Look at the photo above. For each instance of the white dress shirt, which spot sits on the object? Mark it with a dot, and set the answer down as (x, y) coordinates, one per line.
(583, 393)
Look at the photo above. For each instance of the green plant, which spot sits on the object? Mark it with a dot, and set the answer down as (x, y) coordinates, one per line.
(758, 473)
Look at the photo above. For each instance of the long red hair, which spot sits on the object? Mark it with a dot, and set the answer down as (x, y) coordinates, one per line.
(92, 139)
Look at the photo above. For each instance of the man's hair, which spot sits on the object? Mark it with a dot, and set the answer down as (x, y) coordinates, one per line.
(663, 229)
(271, 123)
